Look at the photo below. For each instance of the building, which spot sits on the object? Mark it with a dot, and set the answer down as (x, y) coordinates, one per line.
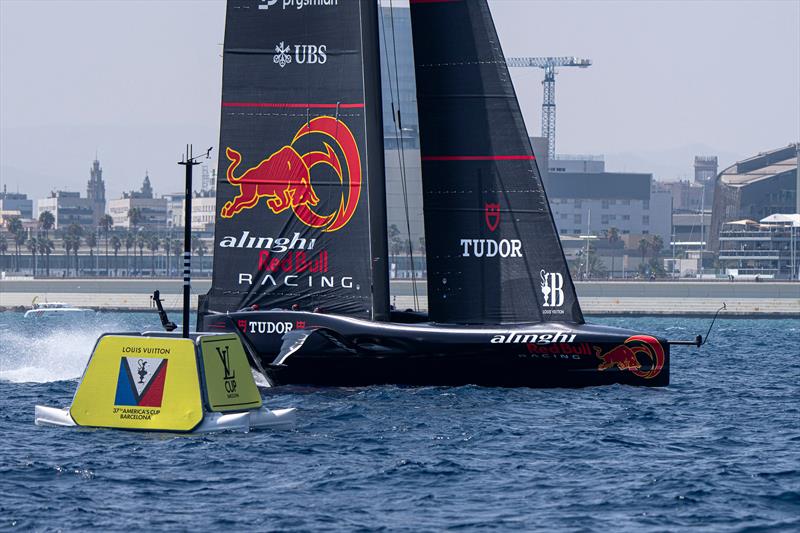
(14, 201)
(204, 207)
(687, 196)
(146, 192)
(152, 213)
(585, 199)
(540, 146)
(96, 191)
(67, 208)
(767, 248)
(576, 164)
(705, 169)
(174, 209)
(705, 172)
(6, 215)
(208, 179)
(690, 230)
(754, 188)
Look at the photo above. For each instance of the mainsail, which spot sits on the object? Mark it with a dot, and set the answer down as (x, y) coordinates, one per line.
(301, 160)
(493, 252)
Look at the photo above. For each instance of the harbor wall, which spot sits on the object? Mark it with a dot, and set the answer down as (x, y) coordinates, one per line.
(680, 298)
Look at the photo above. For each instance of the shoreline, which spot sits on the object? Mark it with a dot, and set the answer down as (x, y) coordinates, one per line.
(694, 298)
(606, 314)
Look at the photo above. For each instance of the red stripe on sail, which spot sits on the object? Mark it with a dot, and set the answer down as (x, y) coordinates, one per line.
(478, 157)
(275, 104)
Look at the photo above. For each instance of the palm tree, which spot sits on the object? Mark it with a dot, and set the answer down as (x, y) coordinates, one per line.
(105, 224)
(596, 268)
(153, 243)
(14, 226)
(395, 243)
(130, 242)
(644, 247)
(45, 248)
(66, 241)
(613, 239)
(47, 220)
(656, 245)
(76, 246)
(141, 242)
(91, 242)
(135, 216)
(177, 249)
(33, 246)
(199, 249)
(167, 244)
(76, 232)
(116, 244)
(3, 250)
(19, 241)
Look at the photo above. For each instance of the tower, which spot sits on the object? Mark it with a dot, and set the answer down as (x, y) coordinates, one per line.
(705, 172)
(147, 189)
(705, 168)
(96, 191)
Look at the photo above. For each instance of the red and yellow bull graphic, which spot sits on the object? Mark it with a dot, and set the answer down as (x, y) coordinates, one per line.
(284, 177)
(631, 355)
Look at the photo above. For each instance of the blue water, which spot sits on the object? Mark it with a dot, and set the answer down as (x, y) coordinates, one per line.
(718, 450)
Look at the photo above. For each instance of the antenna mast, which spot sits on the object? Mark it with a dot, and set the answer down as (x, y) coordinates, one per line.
(189, 161)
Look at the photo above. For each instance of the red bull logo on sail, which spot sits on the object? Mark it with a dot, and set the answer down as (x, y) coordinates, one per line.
(284, 177)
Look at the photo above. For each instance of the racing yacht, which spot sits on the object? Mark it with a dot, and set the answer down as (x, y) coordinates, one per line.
(301, 256)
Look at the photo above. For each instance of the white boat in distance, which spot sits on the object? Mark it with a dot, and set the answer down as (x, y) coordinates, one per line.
(56, 309)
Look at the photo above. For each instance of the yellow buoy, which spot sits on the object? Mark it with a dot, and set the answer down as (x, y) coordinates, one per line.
(164, 382)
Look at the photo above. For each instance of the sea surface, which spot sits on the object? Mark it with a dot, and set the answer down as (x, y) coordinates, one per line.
(718, 450)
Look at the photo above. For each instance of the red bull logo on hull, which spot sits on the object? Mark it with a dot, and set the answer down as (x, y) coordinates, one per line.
(631, 354)
(284, 177)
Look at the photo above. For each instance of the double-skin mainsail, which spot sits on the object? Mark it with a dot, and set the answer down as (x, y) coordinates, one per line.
(301, 211)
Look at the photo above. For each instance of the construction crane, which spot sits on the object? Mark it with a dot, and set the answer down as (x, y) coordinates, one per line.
(549, 65)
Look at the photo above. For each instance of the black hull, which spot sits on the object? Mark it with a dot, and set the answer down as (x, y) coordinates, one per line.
(296, 347)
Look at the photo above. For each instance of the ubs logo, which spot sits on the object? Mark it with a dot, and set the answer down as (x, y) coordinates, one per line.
(552, 288)
(311, 54)
(230, 374)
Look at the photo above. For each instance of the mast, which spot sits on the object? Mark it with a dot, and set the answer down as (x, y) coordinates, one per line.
(375, 160)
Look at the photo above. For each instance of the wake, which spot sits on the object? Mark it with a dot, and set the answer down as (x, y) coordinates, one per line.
(42, 352)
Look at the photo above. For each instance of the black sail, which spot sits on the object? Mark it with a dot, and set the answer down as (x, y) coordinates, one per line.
(492, 247)
(300, 170)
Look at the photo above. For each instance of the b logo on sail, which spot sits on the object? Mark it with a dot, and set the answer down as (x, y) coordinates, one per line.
(552, 289)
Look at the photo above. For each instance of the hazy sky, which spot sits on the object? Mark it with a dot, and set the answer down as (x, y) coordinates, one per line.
(137, 80)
